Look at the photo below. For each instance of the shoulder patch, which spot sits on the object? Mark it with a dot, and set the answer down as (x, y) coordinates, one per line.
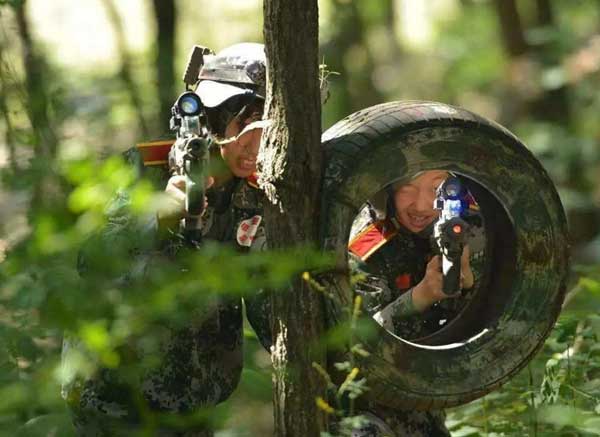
(247, 230)
(403, 281)
(252, 180)
(372, 238)
(155, 152)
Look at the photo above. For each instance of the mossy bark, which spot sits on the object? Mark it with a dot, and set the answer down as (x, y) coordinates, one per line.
(290, 167)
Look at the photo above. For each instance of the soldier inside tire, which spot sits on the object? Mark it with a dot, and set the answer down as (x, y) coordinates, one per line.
(393, 253)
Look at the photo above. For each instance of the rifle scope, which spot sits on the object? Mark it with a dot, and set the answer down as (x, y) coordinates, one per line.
(189, 104)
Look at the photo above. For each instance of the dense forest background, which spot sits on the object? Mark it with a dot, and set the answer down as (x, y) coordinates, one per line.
(82, 81)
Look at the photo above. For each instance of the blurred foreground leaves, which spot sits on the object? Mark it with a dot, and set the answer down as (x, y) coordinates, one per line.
(42, 295)
(112, 310)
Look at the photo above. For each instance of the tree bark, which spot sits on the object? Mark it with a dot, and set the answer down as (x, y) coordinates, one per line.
(45, 140)
(358, 91)
(165, 13)
(290, 167)
(125, 71)
(513, 36)
(46, 190)
(549, 104)
(554, 104)
(545, 13)
(9, 135)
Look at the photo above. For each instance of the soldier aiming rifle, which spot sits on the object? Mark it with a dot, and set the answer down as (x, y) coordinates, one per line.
(201, 358)
(404, 287)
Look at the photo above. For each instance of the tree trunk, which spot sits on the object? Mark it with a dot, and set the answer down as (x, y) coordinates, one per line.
(549, 104)
(165, 13)
(545, 14)
(290, 159)
(45, 141)
(513, 36)
(125, 72)
(9, 135)
(553, 105)
(46, 183)
(351, 90)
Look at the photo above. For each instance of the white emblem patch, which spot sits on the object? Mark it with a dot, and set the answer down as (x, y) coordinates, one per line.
(247, 230)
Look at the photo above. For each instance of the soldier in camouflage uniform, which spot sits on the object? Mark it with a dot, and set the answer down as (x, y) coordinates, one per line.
(401, 283)
(201, 362)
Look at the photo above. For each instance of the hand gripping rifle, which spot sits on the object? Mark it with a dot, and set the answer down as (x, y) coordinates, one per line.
(450, 231)
(189, 155)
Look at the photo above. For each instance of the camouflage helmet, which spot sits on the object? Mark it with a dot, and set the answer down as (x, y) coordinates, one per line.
(237, 70)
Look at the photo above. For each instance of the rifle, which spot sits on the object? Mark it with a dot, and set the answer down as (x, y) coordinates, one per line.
(450, 231)
(189, 155)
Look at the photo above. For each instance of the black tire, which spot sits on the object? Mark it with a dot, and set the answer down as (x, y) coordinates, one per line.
(508, 321)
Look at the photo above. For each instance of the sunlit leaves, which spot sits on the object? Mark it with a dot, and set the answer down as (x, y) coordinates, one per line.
(97, 184)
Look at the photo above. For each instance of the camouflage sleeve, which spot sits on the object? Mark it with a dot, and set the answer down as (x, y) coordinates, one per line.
(396, 314)
(198, 364)
(119, 251)
(369, 281)
(373, 289)
(378, 297)
(202, 362)
(400, 309)
(258, 305)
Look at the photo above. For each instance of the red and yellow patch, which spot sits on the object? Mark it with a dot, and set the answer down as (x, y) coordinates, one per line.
(372, 238)
(155, 152)
(253, 180)
(403, 281)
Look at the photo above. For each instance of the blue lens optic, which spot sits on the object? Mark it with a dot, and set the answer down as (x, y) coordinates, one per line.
(189, 105)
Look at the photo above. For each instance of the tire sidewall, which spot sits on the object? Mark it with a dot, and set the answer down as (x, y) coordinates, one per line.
(372, 148)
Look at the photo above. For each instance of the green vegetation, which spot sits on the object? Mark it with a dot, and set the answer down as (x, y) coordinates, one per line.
(61, 126)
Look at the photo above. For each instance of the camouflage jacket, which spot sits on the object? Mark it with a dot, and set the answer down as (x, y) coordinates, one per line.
(202, 361)
(390, 260)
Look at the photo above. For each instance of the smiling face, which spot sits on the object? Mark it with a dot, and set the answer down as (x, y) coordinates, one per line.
(240, 154)
(414, 200)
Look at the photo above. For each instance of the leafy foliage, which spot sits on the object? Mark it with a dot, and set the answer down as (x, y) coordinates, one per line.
(42, 294)
(559, 392)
